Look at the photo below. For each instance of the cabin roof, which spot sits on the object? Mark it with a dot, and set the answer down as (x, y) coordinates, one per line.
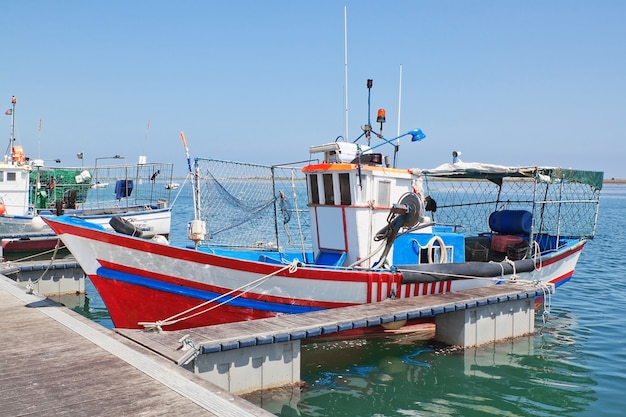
(476, 170)
(324, 167)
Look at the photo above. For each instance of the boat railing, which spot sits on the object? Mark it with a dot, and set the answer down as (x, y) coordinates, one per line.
(92, 188)
(559, 208)
(253, 206)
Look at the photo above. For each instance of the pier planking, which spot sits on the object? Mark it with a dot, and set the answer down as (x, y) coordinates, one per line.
(56, 362)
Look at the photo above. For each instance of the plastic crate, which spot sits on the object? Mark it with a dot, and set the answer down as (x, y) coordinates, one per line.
(500, 243)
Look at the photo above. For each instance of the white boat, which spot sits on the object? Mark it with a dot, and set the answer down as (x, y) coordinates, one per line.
(370, 232)
(99, 185)
(172, 186)
(29, 191)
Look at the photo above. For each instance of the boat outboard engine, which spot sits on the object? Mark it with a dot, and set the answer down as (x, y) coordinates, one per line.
(405, 214)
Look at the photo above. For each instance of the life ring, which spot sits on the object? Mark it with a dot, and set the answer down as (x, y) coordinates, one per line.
(443, 253)
(121, 225)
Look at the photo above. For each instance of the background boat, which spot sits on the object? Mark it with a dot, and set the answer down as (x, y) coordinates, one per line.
(99, 185)
(29, 190)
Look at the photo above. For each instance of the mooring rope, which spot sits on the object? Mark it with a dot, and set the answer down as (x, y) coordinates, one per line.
(547, 303)
(244, 289)
(514, 276)
(39, 254)
(537, 255)
(30, 286)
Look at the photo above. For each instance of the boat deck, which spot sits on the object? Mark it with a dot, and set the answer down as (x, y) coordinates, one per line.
(56, 362)
(320, 323)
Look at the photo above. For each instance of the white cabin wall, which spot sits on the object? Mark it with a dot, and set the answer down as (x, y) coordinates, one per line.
(15, 192)
(352, 228)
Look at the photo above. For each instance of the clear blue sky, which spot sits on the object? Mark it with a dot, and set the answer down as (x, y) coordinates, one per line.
(506, 82)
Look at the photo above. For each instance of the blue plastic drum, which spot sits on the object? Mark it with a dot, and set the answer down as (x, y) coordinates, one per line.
(512, 222)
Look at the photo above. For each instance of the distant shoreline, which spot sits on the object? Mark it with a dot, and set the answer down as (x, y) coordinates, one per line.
(615, 181)
(605, 181)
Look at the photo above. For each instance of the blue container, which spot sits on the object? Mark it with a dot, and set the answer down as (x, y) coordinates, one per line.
(123, 188)
(511, 222)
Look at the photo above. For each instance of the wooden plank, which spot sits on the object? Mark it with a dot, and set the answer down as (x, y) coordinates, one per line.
(56, 362)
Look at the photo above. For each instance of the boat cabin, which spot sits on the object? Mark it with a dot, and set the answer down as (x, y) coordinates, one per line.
(14, 184)
(351, 193)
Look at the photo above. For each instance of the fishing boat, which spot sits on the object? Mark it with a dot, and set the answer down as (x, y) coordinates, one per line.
(30, 190)
(346, 227)
(99, 185)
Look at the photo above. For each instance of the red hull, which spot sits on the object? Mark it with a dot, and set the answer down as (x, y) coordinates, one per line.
(121, 301)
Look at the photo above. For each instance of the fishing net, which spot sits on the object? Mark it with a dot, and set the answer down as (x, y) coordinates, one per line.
(253, 206)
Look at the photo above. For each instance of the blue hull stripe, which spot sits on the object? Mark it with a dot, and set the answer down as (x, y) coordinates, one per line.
(240, 302)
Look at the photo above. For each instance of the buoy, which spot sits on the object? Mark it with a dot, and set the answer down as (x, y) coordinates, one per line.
(37, 223)
(3, 209)
(160, 239)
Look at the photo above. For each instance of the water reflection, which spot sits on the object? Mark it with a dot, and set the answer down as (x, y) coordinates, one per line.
(530, 376)
(88, 304)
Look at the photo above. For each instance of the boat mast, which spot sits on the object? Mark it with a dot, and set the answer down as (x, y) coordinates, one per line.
(196, 229)
(12, 139)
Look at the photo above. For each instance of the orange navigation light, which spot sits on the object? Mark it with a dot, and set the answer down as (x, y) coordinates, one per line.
(380, 119)
(13, 100)
(381, 116)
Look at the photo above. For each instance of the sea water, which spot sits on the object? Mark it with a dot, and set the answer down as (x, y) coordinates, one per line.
(575, 364)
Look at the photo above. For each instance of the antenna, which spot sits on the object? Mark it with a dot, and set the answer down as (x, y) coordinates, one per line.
(39, 140)
(395, 152)
(345, 65)
(142, 158)
(399, 101)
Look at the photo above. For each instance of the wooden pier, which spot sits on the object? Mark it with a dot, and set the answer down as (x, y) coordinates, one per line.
(56, 362)
(262, 354)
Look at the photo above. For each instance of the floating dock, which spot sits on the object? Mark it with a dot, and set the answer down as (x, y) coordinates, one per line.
(52, 277)
(249, 356)
(56, 362)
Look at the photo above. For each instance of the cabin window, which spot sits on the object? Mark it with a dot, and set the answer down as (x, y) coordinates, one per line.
(344, 189)
(315, 191)
(11, 176)
(1, 176)
(329, 191)
(384, 191)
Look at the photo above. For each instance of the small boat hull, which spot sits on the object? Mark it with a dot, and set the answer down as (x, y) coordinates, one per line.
(152, 221)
